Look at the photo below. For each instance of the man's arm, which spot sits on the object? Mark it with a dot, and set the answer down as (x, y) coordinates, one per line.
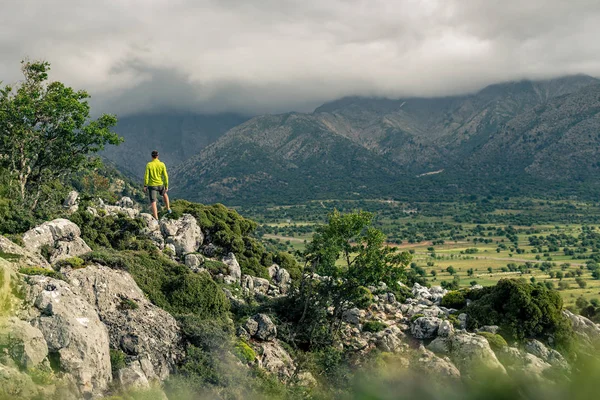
(165, 177)
(146, 178)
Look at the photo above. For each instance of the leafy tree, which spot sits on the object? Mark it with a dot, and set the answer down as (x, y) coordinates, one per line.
(46, 131)
(451, 270)
(350, 255)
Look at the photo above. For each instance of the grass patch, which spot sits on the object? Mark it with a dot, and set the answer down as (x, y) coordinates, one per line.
(41, 271)
(373, 326)
(10, 256)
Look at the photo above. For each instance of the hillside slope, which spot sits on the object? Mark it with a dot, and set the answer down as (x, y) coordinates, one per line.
(357, 147)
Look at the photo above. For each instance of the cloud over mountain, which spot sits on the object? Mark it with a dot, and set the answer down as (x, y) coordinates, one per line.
(277, 55)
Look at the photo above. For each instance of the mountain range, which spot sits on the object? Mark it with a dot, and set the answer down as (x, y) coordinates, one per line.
(517, 138)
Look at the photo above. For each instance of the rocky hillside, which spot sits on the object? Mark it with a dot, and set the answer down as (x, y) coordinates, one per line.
(177, 137)
(360, 147)
(164, 307)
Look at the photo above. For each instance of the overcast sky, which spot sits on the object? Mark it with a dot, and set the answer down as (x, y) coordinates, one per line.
(257, 56)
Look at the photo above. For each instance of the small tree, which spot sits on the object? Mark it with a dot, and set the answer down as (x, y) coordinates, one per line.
(451, 270)
(46, 131)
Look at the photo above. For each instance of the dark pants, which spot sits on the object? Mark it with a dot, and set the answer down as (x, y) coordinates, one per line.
(154, 191)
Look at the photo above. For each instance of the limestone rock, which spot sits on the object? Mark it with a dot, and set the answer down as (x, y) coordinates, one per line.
(519, 362)
(27, 257)
(586, 330)
(261, 327)
(470, 352)
(71, 328)
(184, 233)
(550, 356)
(25, 344)
(235, 271)
(71, 201)
(425, 327)
(352, 316)
(261, 285)
(151, 223)
(135, 326)
(62, 236)
(276, 360)
(194, 261)
(125, 202)
(438, 367)
(133, 376)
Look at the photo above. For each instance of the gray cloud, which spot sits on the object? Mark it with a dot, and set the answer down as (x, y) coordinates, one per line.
(279, 55)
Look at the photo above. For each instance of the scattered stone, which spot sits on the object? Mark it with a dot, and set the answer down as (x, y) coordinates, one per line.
(25, 344)
(352, 316)
(235, 271)
(71, 201)
(425, 327)
(194, 261)
(184, 234)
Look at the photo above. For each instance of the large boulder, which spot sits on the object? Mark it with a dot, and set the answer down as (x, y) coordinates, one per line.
(261, 285)
(276, 360)
(519, 363)
(73, 331)
(261, 327)
(470, 352)
(550, 356)
(440, 368)
(184, 233)
(148, 335)
(24, 343)
(25, 257)
(587, 331)
(235, 271)
(61, 236)
(425, 327)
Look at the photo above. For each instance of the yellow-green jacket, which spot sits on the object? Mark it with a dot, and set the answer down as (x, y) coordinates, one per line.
(156, 174)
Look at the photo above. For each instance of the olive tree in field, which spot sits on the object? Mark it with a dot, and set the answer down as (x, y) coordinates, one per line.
(46, 131)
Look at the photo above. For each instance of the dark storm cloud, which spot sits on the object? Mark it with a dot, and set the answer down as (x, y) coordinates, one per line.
(278, 55)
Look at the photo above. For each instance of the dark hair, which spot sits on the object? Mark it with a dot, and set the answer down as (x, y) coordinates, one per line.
(154, 154)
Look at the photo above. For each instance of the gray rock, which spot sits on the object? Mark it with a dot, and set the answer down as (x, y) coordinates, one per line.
(518, 362)
(550, 356)
(352, 316)
(210, 250)
(151, 223)
(266, 328)
(27, 257)
(489, 328)
(587, 331)
(273, 271)
(469, 352)
(72, 328)
(117, 211)
(158, 240)
(276, 360)
(135, 325)
(389, 342)
(62, 236)
(247, 283)
(194, 261)
(243, 333)
(462, 319)
(440, 368)
(251, 326)
(185, 234)
(425, 327)
(235, 270)
(445, 329)
(476, 287)
(283, 277)
(71, 201)
(420, 292)
(125, 202)
(261, 285)
(133, 376)
(25, 344)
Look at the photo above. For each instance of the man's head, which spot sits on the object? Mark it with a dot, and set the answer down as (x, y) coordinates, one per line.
(154, 154)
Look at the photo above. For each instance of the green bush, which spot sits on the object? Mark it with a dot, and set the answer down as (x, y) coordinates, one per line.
(216, 267)
(9, 256)
(522, 311)
(496, 341)
(454, 299)
(128, 304)
(373, 326)
(169, 285)
(244, 352)
(41, 271)
(364, 298)
(73, 262)
(117, 360)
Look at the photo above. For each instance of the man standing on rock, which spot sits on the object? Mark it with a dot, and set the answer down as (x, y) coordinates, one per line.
(156, 181)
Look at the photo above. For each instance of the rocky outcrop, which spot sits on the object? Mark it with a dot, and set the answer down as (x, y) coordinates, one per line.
(184, 234)
(471, 353)
(72, 331)
(61, 237)
(276, 360)
(438, 367)
(261, 327)
(425, 327)
(586, 330)
(235, 271)
(148, 335)
(518, 363)
(71, 202)
(24, 343)
(26, 257)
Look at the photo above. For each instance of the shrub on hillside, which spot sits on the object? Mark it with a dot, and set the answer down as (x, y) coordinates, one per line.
(454, 299)
(373, 326)
(496, 341)
(169, 285)
(522, 311)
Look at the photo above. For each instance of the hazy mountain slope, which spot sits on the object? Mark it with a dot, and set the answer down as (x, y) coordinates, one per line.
(176, 136)
(281, 157)
(358, 147)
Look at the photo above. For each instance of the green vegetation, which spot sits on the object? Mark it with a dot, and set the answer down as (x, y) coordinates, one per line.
(373, 326)
(117, 360)
(73, 262)
(496, 341)
(244, 352)
(41, 271)
(454, 299)
(522, 311)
